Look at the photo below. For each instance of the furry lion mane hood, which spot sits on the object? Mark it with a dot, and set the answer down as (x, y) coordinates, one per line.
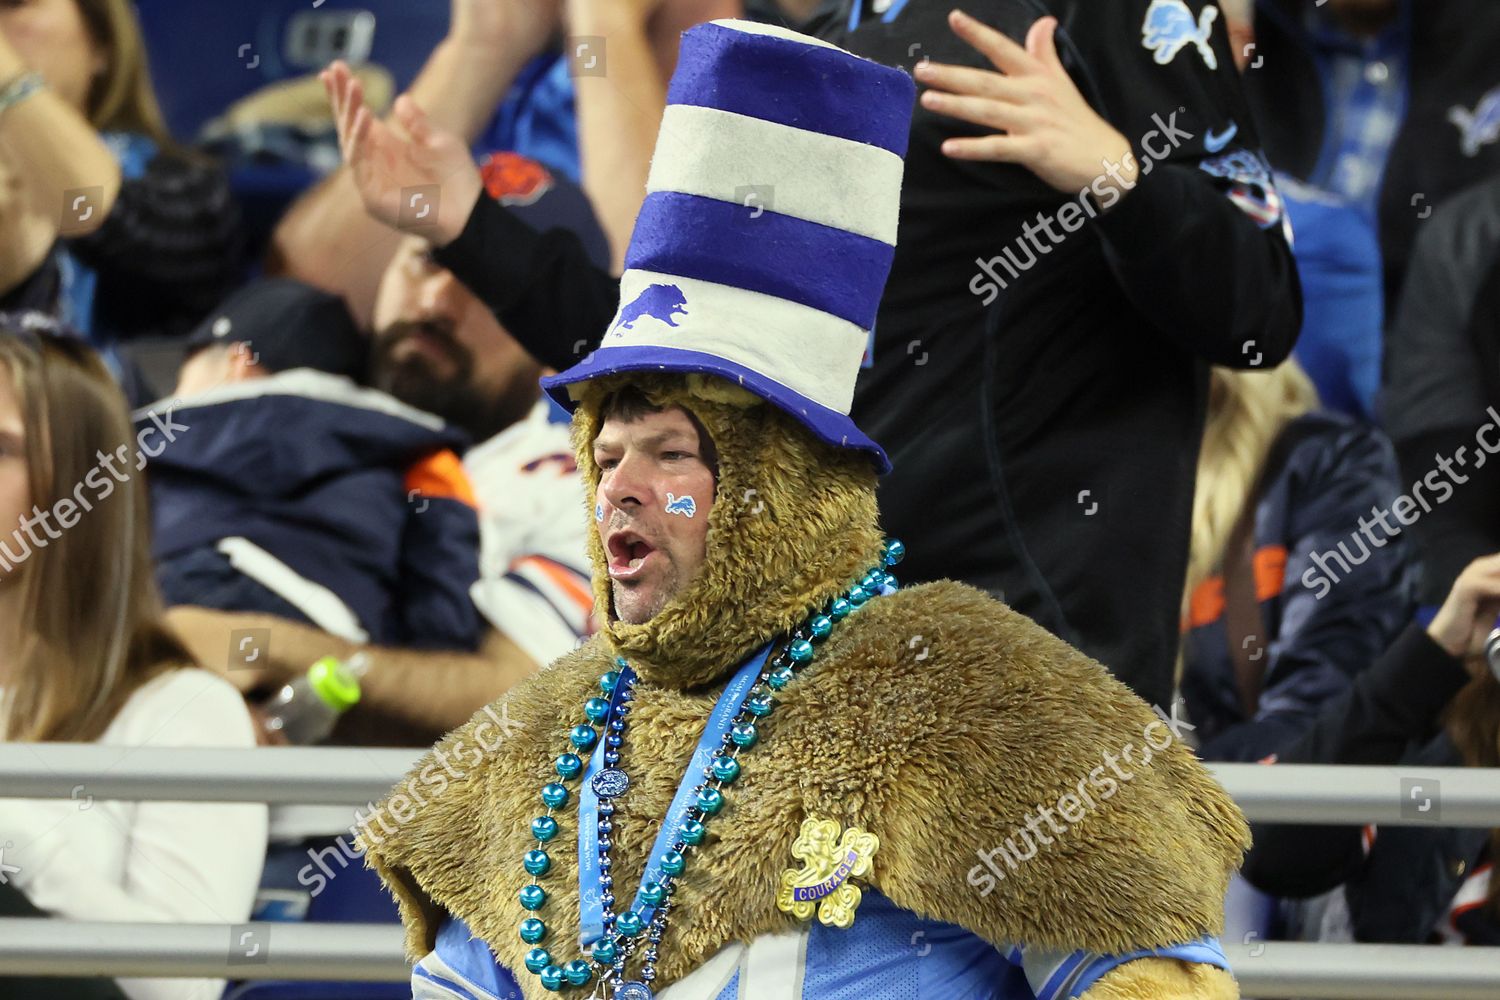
(942, 756)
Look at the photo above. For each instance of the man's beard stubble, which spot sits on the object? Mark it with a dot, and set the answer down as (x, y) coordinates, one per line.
(671, 583)
(669, 586)
(455, 397)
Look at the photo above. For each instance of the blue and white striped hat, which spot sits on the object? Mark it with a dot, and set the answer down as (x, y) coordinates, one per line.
(769, 224)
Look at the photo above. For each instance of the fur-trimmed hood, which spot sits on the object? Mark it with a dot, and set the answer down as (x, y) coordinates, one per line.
(794, 523)
(936, 718)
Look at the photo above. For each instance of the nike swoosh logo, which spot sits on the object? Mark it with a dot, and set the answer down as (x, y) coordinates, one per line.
(1216, 143)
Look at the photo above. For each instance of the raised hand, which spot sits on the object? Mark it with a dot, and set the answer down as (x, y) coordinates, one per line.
(396, 166)
(1041, 120)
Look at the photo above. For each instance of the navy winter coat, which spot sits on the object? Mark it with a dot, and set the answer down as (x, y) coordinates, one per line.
(1332, 597)
(306, 496)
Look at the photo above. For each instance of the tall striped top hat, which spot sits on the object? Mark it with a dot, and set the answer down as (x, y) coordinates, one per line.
(769, 224)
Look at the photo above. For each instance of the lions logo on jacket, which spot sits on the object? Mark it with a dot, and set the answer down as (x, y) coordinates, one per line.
(1249, 185)
(1481, 126)
(1170, 28)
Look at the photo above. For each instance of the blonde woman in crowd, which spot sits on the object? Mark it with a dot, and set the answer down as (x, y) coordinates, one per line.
(85, 658)
(1298, 576)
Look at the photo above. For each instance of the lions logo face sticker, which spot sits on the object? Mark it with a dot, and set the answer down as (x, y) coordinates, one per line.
(685, 506)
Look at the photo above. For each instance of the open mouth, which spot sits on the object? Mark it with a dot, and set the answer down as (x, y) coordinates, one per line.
(628, 555)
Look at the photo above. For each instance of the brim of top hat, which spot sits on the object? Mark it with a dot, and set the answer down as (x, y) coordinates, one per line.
(827, 425)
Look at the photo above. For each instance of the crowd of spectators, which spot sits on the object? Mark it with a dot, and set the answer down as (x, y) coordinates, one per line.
(1169, 438)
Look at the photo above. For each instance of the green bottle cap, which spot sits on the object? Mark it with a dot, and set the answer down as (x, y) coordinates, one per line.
(332, 682)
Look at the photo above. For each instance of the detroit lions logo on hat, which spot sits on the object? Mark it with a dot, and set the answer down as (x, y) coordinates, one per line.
(664, 302)
(1481, 126)
(1170, 28)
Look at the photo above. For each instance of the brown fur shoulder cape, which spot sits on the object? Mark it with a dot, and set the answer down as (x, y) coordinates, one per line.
(936, 718)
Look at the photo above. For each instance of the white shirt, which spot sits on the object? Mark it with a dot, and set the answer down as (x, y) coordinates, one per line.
(533, 569)
(179, 862)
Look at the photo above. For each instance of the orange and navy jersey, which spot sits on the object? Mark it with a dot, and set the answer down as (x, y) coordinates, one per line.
(440, 476)
(442, 534)
(1466, 922)
(1332, 594)
(535, 584)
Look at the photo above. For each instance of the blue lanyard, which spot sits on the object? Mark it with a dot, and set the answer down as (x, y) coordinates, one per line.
(857, 12)
(720, 721)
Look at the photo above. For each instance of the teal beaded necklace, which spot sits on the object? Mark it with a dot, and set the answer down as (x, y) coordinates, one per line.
(624, 932)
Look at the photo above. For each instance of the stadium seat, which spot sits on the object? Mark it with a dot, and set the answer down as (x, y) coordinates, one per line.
(206, 56)
(353, 895)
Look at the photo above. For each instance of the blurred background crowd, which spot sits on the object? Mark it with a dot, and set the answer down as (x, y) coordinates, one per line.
(279, 469)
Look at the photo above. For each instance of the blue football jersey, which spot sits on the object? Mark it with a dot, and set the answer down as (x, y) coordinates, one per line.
(889, 954)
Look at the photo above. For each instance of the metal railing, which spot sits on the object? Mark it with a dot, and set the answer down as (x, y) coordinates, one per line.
(372, 953)
(275, 775)
(1285, 793)
(1279, 970)
(325, 952)
(354, 777)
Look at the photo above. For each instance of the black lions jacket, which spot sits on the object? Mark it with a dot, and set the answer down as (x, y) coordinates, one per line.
(1039, 368)
(1441, 402)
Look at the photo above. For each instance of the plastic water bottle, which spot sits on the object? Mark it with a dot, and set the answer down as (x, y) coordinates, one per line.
(305, 710)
